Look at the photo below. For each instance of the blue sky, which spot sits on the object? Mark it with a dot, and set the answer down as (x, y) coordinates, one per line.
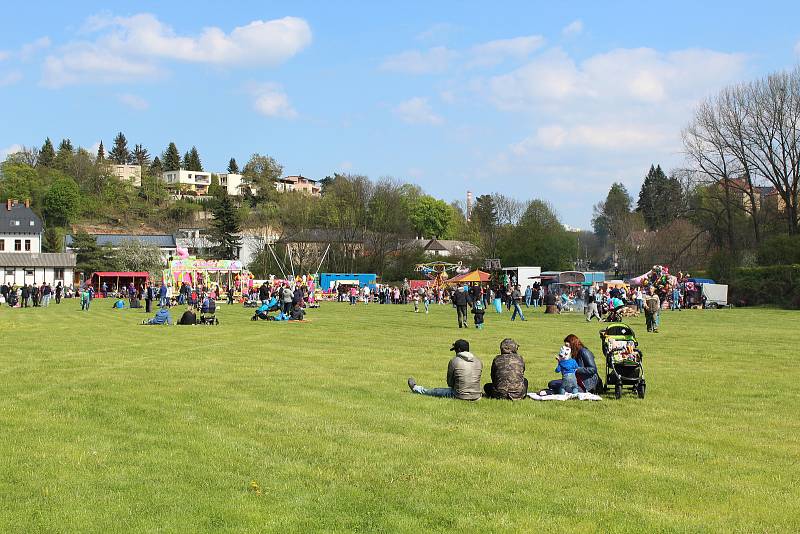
(532, 99)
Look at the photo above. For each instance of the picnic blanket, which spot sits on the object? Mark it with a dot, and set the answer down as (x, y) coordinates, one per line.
(565, 396)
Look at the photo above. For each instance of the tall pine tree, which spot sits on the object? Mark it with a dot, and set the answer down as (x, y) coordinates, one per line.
(64, 155)
(224, 229)
(141, 156)
(47, 154)
(156, 168)
(101, 153)
(660, 199)
(187, 162)
(194, 160)
(171, 160)
(233, 167)
(119, 153)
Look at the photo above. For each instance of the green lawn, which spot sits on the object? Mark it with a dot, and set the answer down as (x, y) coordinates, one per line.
(108, 426)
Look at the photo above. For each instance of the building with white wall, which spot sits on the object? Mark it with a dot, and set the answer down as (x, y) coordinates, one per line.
(298, 183)
(20, 228)
(128, 173)
(233, 183)
(33, 268)
(184, 181)
(165, 242)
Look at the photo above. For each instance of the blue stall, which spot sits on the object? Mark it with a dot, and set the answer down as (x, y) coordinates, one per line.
(328, 281)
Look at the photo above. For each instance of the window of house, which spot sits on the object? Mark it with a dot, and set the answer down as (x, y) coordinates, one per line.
(32, 223)
(27, 245)
(59, 274)
(17, 245)
(28, 272)
(14, 223)
(2, 244)
(9, 272)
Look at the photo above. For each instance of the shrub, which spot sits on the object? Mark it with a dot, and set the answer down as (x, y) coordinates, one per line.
(780, 250)
(777, 284)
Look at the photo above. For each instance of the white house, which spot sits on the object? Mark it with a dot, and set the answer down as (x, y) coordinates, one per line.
(20, 228)
(197, 181)
(34, 268)
(233, 183)
(128, 173)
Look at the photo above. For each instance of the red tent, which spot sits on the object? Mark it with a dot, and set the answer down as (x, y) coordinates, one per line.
(119, 279)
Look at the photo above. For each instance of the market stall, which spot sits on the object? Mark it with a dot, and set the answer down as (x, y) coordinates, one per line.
(116, 280)
(209, 273)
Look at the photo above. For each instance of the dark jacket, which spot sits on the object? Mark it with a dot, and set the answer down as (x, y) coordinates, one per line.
(188, 318)
(508, 377)
(460, 298)
(587, 369)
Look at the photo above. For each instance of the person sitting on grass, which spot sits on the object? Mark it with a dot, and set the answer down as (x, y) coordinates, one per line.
(162, 317)
(118, 304)
(567, 367)
(188, 317)
(508, 374)
(297, 313)
(586, 373)
(463, 376)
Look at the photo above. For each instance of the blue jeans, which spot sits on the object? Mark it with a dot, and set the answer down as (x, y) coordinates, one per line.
(434, 392)
(517, 310)
(527, 301)
(569, 384)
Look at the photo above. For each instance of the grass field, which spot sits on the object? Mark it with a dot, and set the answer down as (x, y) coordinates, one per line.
(108, 426)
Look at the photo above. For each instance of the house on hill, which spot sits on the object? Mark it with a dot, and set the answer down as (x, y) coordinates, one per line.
(446, 247)
(165, 242)
(20, 228)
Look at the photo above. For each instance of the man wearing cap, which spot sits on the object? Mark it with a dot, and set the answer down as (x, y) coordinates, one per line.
(463, 376)
(508, 374)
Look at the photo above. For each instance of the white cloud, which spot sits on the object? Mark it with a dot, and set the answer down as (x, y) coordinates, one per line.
(494, 52)
(433, 60)
(437, 32)
(10, 78)
(417, 110)
(573, 28)
(271, 101)
(126, 48)
(4, 55)
(133, 101)
(5, 152)
(30, 49)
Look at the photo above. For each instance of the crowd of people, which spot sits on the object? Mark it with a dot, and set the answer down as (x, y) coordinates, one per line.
(31, 295)
(575, 364)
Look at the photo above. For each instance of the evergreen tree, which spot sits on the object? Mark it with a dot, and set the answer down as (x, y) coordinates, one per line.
(660, 199)
(91, 257)
(194, 160)
(119, 153)
(224, 229)
(171, 160)
(233, 167)
(65, 155)
(156, 168)
(101, 153)
(141, 156)
(47, 154)
(187, 162)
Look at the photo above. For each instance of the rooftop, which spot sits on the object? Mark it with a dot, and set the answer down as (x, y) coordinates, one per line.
(32, 259)
(17, 218)
(116, 240)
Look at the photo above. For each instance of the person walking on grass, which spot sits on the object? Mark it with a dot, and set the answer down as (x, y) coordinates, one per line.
(528, 296)
(460, 301)
(516, 299)
(463, 376)
(591, 308)
(652, 305)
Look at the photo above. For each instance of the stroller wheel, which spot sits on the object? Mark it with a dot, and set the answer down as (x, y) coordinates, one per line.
(618, 391)
(640, 389)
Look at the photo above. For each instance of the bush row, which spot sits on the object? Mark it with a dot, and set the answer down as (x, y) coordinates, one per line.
(776, 284)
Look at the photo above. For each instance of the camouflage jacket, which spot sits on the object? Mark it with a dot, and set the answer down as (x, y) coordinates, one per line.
(508, 373)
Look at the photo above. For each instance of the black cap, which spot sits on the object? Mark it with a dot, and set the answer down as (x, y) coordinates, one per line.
(461, 345)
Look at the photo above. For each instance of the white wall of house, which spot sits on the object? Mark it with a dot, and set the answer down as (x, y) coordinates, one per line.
(194, 180)
(27, 243)
(231, 182)
(129, 173)
(37, 275)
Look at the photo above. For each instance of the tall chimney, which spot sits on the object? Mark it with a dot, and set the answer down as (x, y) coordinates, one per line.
(469, 205)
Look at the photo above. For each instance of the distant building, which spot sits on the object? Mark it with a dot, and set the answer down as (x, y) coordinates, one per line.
(128, 173)
(20, 228)
(446, 247)
(185, 181)
(33, 268)
(298, 183)
(233, 183)
(165, 242)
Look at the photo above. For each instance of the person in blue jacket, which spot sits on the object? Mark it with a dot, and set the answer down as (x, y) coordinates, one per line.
(162, 317)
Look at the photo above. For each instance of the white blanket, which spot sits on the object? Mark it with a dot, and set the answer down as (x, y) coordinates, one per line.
(565, 396)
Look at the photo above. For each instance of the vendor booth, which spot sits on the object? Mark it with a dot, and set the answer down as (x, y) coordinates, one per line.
(117, 280)
(473, 277)
(200, 272)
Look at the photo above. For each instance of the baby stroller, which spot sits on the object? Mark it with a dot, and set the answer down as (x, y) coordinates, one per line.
(623, 359)
(208, 312)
